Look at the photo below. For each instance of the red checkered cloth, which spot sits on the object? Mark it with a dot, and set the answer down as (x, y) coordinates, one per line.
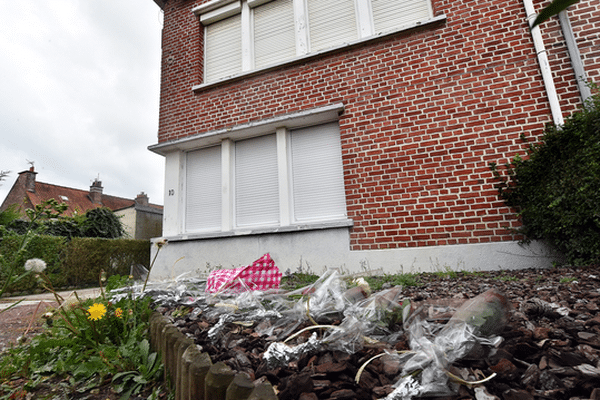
(262, 274)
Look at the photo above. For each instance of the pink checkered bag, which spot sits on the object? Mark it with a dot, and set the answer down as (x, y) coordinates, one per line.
(262, 274)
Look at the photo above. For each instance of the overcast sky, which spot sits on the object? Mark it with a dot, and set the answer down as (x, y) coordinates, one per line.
(79, 94)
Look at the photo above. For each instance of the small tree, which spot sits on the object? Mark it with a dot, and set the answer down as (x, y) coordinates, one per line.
(102, 223)
(555, 188)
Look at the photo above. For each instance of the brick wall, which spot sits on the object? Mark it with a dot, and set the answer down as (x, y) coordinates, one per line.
(426, 111)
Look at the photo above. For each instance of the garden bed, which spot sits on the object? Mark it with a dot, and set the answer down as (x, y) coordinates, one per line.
(550, 347)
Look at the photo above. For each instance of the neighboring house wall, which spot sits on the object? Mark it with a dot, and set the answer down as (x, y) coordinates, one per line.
(141, 223)
(127, 218)
(143, 220)
(149, 223)
(419, 114)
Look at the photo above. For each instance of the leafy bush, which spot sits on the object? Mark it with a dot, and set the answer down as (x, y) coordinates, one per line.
(9, 215)
(555, 188)
(99, 222)
(102, 223)
(65, 227)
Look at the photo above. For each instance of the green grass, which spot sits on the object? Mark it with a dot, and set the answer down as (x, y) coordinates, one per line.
(377, 282)
(297, 280)
(446, 273)
(505, 278)
(568, 279)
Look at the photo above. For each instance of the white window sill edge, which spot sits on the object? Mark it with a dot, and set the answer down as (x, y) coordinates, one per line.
(315, 116)
(345, 223)
(245, 74)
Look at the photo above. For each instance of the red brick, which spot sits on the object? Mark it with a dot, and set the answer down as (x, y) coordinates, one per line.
(425, 112)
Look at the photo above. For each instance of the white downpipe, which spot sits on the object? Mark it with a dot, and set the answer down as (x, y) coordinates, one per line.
(542, 56)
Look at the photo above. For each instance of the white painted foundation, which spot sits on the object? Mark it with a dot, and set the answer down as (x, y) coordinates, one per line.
(316, 250)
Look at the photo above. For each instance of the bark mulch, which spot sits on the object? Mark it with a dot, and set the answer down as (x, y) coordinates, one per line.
(550, 347)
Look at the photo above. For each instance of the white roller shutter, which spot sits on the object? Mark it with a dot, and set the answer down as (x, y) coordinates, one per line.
(256, 182)
(317, 174)
(331, 23)
(274, 38)
(223, 49)
(203, 190)
(392, 14)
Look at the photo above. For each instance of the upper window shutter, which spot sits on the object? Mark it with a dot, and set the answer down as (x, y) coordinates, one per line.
(223, 49)
(331, 23)
(274, 37)
(391, 14)
(256, 182)
(317, 174)
(203, 190)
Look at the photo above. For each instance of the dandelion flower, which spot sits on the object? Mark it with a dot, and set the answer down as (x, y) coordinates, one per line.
(118, 313)
(35, 265)
(97, 311)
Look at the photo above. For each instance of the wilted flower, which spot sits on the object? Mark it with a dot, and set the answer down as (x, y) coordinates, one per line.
(160, 243)
(97, 311)
(35, 265)
(118, 313)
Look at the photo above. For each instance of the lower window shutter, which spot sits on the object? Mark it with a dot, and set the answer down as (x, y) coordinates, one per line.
(317, 174)
(256, 182)
(203, 190)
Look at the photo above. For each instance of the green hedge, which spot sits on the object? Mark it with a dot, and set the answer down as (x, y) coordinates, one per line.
(78, 262)
(88, 257)
(48, 248)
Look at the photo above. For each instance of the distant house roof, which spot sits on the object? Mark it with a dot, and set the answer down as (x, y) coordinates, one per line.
(27, 193)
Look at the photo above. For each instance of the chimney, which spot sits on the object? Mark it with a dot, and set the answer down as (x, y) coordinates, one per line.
(96, 192)
(142, 199)
(29, 177)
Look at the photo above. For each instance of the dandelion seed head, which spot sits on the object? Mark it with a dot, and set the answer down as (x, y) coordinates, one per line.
(35, 265)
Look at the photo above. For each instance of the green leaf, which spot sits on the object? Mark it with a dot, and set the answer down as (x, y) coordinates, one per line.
(552, 9)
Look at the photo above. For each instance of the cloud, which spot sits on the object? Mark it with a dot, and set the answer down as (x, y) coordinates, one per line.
(80, 93)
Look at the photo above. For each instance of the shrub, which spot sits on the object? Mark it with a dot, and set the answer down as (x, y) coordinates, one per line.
(78, 262)
(555, 188)
(102, 223)
(65, 227)
(98, 222)
(86, 258)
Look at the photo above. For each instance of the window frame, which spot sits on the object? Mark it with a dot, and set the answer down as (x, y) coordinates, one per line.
(287, 220)
(217, 10)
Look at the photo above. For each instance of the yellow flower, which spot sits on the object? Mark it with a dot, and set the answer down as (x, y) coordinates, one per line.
(97, 311)
(118, 313)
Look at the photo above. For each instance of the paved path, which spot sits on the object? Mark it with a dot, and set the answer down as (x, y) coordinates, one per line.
(36, 298)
